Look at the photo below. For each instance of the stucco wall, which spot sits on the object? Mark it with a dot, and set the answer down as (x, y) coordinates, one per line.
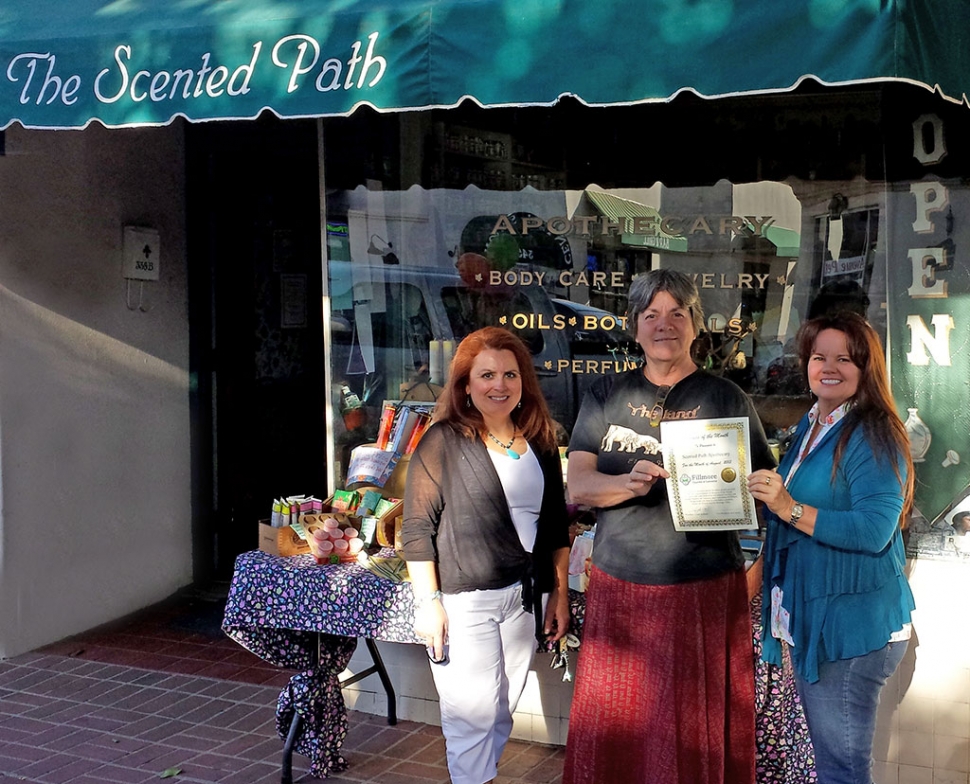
(94, 403)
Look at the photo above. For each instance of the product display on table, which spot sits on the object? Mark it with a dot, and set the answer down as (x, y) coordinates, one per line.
(351, 526)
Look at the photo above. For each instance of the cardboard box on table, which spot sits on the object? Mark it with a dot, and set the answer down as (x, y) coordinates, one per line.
(281, 541)
(285, 541)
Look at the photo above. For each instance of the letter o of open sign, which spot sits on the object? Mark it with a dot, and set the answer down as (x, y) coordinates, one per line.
(142, 253)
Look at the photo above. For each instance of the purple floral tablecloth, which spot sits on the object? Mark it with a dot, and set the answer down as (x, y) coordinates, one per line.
(281, 609)
(784, 753)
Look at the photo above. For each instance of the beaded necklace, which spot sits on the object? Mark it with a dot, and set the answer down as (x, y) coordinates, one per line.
(507, 447)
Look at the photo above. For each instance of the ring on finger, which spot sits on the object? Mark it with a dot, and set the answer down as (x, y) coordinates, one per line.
(768, 480)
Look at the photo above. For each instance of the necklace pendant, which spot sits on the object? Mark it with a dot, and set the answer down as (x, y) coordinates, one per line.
(512, 453)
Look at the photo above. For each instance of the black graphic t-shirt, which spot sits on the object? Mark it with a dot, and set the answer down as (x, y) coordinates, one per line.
(636, 540)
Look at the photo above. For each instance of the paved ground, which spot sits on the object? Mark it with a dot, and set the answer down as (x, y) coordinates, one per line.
(164, 691)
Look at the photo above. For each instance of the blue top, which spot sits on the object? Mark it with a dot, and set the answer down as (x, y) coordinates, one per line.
(845, 586)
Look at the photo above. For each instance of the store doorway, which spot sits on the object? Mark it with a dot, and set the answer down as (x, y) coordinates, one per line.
(257, 342)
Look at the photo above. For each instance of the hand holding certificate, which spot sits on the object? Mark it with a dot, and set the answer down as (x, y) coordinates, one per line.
(708, 460)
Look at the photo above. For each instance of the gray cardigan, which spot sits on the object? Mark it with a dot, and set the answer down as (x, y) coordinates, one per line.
(455, 514)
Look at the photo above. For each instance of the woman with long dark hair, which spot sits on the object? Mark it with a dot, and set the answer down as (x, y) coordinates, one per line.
(835, 590)
(486, 535)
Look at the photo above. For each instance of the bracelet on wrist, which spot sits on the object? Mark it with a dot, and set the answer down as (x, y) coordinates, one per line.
(426, 600)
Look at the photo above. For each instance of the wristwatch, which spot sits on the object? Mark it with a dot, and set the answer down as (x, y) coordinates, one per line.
(796, 514)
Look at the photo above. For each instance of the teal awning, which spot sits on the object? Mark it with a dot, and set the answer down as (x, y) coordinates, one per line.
(626, 211)
(143, 62)
(787, 242)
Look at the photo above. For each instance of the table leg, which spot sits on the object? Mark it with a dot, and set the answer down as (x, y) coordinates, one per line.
(380, 670)
(382, 674)
(286, 774)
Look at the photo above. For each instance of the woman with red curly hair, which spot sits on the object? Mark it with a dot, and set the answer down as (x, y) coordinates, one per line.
(485, 535)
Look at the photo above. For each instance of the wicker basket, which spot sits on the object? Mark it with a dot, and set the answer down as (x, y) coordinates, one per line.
(389, 527)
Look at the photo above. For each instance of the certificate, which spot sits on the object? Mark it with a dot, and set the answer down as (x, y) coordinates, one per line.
(708, 461)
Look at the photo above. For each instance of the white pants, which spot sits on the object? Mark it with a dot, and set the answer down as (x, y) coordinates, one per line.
(491, 641)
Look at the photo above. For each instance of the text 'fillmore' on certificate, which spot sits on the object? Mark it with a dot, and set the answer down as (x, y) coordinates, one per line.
(709, 461)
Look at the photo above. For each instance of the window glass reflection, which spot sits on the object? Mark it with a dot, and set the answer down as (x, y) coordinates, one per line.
(497, 231)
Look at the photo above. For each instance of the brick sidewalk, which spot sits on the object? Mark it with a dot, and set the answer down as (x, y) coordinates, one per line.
(81, 712)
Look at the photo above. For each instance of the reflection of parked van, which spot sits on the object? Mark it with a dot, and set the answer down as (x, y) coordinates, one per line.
(385, 317)
(598, 342)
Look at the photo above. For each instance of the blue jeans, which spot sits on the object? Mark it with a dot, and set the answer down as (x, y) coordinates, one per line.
(841, 712)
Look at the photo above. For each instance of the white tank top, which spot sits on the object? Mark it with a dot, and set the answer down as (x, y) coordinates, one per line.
(522, 483)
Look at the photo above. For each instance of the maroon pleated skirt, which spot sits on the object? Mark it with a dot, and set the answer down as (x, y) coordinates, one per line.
(664, 685)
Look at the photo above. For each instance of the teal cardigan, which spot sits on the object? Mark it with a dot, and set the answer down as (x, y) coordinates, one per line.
(845, 586)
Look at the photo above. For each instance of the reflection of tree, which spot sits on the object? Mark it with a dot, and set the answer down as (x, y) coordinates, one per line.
(723, 354)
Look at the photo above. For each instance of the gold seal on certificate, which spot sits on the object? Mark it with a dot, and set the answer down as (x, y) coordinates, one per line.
(705, 457)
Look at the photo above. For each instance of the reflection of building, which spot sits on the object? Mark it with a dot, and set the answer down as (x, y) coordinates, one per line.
(933, 544)
(152, 420)
(946, 537)
(633, 247)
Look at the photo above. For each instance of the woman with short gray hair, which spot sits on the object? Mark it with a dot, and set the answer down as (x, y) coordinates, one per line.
(665, 678)
(645, 287)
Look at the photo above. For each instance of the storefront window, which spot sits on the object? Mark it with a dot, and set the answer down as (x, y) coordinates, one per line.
(454, 221)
